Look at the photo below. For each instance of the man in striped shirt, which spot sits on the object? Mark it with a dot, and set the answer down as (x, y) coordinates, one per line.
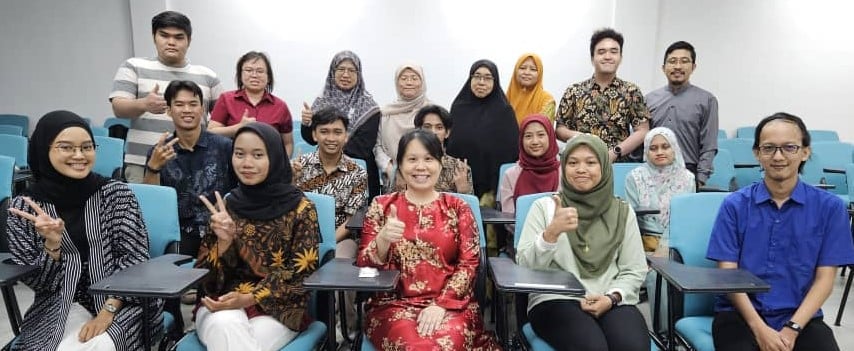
(139, 83)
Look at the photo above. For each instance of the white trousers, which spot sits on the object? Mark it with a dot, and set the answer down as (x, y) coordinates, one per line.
(232, 330)
(77, 317)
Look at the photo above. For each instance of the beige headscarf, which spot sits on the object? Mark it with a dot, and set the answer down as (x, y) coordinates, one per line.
(398, 117)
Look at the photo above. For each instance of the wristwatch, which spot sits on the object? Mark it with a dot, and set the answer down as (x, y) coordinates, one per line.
(110, 308)
(618, 151)
(152, 170)
(793, 326)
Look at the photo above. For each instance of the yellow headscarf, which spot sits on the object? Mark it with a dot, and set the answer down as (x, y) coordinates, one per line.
(527, 102)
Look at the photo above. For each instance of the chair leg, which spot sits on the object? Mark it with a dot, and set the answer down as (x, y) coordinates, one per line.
(844, 300)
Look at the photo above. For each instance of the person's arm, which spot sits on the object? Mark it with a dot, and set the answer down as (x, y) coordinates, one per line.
(631, 263)
(28, 248)
(381, 157)
(566, 114)
(634, 140)
(532, 251)
(549, 110)
(288, 140)
(369, 246)
(708, 142)
(341, 232)
(507, 187)
(458, 288)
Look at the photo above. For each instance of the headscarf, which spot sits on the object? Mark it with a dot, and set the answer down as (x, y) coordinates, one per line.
(526, 102)
(274, 196)
(656, 184)
(601, 217)
(357, 103)
(51, 186)
(399, 116)
(482, 127)
(539, 174)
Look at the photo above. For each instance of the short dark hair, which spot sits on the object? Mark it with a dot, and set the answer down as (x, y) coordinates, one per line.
(605, 33)
(252, 56)
(328, 115)
(428, 139)
(681, 45)
(440, 111)
(786, 117)
(177, 85)
(168, 19)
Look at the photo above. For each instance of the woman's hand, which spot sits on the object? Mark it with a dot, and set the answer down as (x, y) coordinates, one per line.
(221, 223)
(230, 301)
(49, 228)
(596, 305)
(393, 229)
(96, 326)
(430, 319)
(565, 219)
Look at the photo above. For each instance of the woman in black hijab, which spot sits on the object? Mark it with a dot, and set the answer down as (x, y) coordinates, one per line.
(261, 245)
(485, 129)
(78, 228)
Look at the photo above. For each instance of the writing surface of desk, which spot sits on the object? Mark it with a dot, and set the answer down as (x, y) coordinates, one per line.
(493, 216)
(340, 274)
(512, 278)
(692, 279)
(9, 275)
(357, 220)
(158, 277)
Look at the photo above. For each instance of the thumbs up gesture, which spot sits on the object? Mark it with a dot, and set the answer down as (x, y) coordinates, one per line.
(245, 119)
(392, 231)
(154, 102)
(565, 219)
(306, 114)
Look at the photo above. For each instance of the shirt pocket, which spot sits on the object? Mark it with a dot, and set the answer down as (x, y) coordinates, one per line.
(806, 247)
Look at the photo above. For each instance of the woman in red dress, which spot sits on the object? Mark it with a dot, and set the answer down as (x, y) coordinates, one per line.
(432, 239)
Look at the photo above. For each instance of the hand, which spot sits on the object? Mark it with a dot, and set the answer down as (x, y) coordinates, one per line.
(612, 155)
(230, 301)
(392, 231)
(389, 173)
(162, 153)
(221, 223)
(96, 326)
(596, 305)
(565, 219)
(769, 339)
(49, 228)
(429, 320)
(789, 336)
(154, 102)
(461, 174)
(306, 114)
(245, 119)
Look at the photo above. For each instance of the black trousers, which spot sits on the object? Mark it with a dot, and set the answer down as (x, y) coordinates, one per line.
(731, 333)
(564, 326)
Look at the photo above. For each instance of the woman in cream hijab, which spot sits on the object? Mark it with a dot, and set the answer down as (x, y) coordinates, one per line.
(398, 117)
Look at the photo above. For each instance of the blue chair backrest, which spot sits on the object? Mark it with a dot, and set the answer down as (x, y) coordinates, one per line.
(745, 132)
(325, 206)
(297, 131)
(742, 154)
(110, 155)
(723, 176)
(14, 146)
(361, 163)
(501, 174)
(722, 134)
(302, 148)
(823, 135)
(834, 155)
(17, 120)
(621, 171)
(474, 203)
(523, 205)
(7, 170)
(159, 206)
(692, 217)
(100, 131)
(11, 130)
(813, 172)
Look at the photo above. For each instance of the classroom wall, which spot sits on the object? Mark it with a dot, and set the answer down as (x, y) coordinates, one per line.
(758, 56)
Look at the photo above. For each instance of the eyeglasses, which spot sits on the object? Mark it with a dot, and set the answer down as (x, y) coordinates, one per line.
(258, 71)
(485, 78)
(342, 70)
(675, 62)
(68, 149)
(788, 149)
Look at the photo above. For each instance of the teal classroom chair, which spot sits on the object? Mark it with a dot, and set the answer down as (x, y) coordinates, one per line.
(15, 146)
(834, 155)
(100, 131)
(723, 175)
(745, 132)
(721, 134)
(502, 172)
(620, 172)
(11, 130)
(7, 170)
(747, 168)
(109, 157)
(315, 333)
(17, 120)
(823, 135)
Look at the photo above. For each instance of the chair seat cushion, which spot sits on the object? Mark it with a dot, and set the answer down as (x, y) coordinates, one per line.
(697, 331)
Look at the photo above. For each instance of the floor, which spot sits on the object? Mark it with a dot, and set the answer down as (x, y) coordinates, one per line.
(844, 334)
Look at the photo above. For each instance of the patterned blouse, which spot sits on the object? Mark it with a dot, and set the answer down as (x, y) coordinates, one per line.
(348, 184)
(269, 259)
(445, 183)
(607, 113)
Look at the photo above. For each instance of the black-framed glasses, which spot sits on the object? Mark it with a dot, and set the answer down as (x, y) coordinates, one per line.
(69, 149)
(788, 149)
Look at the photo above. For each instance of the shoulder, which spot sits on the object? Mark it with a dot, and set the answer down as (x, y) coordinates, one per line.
(142, 62)
(826, 200)
(741, 197)
(219, 140)
(628, 86)
(115, 191)
(702, 92)
(657, 93)
(228, 96)
(352, 166)
(199, 69)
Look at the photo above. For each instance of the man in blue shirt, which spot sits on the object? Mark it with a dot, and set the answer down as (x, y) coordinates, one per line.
(788, 233)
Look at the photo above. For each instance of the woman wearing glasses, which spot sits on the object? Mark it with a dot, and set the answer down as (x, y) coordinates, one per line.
(77, 228)
(252, 101)
(345, 90)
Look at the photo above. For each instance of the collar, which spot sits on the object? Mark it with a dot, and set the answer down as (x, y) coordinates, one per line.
(798, 193)
(203, 141)
(590, 83)
(241, 94)
(314, 158)
(680, 89)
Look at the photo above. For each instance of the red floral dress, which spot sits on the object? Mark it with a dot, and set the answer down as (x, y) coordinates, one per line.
(438, 259)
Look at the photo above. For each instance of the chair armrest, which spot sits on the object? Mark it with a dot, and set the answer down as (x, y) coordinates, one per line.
(690, 279)
(834, 170)
(746, 165)
(711, 189)
(510, 277)
(341, 274)
(159, 277)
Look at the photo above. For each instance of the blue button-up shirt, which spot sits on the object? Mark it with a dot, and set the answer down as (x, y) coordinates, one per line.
(782, 246)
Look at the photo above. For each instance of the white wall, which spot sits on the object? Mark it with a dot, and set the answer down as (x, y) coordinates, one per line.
(61, 55)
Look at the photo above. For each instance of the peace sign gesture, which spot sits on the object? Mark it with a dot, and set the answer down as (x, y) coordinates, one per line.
(48, 227)
(221, 222)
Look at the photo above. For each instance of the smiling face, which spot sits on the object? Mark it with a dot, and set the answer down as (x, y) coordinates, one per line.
(72, 153)
(606, 56)
(661, 153)
(186, 110)
(419, 168)
(780, 165)
(330, 137)
(535, 140)
(346, 75)
(433, 123)
(528, 73)
(171, 44)
(583, 170)
(253, 75)
(678, 67)
(250, 160)
(409, 84)
(482, 82)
